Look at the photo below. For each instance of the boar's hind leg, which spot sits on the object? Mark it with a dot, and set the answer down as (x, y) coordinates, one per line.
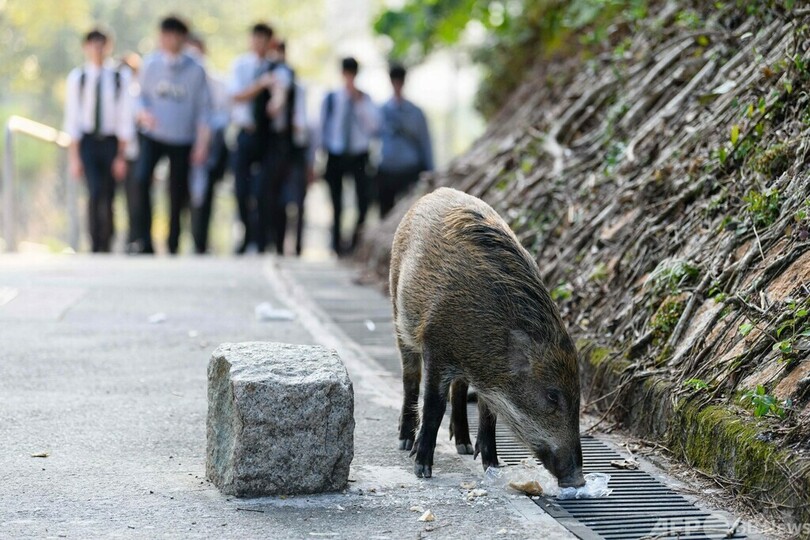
(411, 378)
(485, 441)
(458, 417)
(433, 407)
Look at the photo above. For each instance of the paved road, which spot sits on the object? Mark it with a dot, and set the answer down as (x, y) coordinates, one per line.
(118, 403)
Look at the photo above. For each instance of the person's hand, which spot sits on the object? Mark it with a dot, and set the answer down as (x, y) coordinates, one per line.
(147, 120)
(75, 168)
(272, 109)
(265, 80)
(199, 154)
(119, 168)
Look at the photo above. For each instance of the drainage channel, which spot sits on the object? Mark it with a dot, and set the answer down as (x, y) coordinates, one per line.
(639, 507)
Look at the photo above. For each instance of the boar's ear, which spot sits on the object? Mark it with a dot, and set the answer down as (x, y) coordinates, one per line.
(519, 351)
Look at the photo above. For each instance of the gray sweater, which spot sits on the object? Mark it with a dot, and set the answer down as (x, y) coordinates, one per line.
(176, 93)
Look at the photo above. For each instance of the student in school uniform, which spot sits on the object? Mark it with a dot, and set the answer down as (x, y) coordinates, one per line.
(349, 119)
(406, 149)
(280, 112)
(173, 113)
(250, 95)
(297, 171)
(98, 119)
(204, 177)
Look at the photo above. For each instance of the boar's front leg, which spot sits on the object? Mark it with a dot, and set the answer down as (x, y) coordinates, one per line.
(411, 378)
(459, 428)
(485, 441)
(433, 407)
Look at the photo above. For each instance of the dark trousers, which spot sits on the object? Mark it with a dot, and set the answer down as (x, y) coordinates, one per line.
(215, 167)
(97, 155)
(248, 162)
(294, 191)
(272, 217)
(337, 166)
(391, 186)
(179, 156)
(132, 194)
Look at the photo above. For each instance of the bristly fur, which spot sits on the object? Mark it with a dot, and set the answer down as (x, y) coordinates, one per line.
(519, 275)
(470, 305)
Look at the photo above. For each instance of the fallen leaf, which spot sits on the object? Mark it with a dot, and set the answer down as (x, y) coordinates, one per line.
(40, 454)
(475, 493)
(529, 487)
(624, 464)
(467, 485)
(416, 509)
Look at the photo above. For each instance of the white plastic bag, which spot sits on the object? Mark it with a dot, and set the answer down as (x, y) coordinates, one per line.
(522, 474)
(596, 486)
(508, 478)
(266, 312)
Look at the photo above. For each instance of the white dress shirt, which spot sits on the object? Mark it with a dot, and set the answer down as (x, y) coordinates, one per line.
(116, 105)
(245, 70)
(282, 80)
(365, 122)
(244, 73)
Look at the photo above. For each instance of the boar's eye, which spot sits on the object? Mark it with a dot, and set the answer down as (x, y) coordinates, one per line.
(554, 397)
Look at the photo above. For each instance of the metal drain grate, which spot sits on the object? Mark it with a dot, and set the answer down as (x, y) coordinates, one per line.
(639, 506)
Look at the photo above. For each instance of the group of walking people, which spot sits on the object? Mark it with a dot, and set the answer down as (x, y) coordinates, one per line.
(125, 117)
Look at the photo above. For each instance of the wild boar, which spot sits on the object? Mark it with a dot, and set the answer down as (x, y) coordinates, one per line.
(470, 308)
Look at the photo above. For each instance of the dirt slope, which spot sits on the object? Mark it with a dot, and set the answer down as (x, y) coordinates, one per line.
(663, 187)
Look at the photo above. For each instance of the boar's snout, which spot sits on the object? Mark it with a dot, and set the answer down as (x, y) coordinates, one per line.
(567, 466)
(575, 480)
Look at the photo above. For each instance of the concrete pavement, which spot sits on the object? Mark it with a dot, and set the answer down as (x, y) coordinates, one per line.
(118, 404)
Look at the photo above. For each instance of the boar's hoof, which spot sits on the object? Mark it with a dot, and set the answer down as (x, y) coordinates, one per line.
(422, 471)
(488, 464)
(464, 449)
(405, 444)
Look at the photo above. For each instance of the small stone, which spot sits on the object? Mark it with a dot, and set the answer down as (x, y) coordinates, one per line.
(427, 516)
(467, 485)
(416, 509)
(280, 420)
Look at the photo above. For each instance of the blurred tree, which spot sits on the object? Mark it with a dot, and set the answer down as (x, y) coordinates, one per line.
(35, 46)
(40, 40)
(519, 32)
